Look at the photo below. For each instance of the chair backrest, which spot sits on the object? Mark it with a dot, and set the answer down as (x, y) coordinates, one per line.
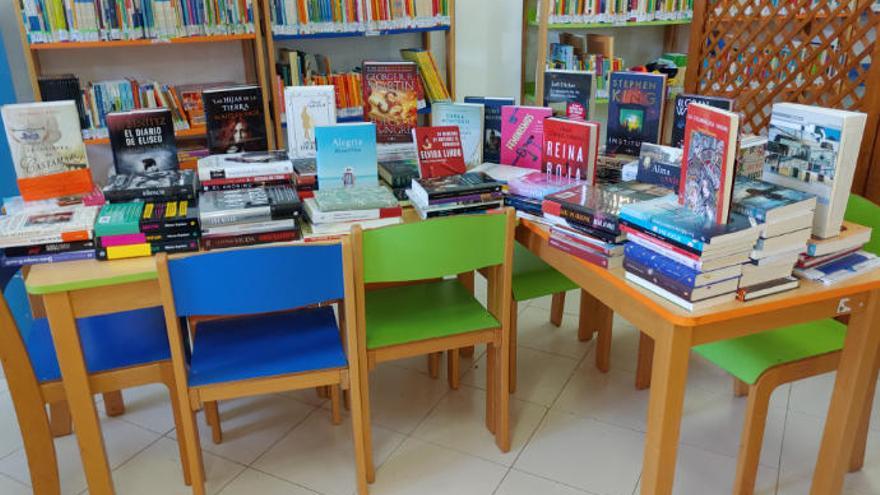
(433, 248)
(862, 211)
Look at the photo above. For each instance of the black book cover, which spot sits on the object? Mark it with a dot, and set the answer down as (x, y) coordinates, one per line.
(563, 88)
(169, 185)
(680, 113)
(399, 173)
(142, 141)
(598, 207)
(635, 111)
(260, 204)
(64, 87)
(56, 248)
(168, 217)
(235, 120)
(457, 185)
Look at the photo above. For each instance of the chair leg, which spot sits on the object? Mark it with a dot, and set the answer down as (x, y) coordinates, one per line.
(585, 330)
(740, 388)
(557, 307)
(467, 352)
(212, 415)
(360, 426)
(644, 362)
(190, 437)
(39, 448)
(322, 392)
(364, 392)
(178, 428)
(60, 422)
(752, 436)
(113, 403)
(453, 372)
(335, 411)
(434, 364)
(502, 424)
(490, 387)
(513, 344)
(346, 399)
(857, 458)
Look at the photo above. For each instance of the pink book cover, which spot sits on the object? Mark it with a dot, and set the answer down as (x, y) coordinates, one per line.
(522, 135)
(123, 239)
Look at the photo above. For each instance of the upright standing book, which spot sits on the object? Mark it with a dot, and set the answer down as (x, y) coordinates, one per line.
(235, 119)
(307, 107)
(468, 117)
(522, 135)
(660, 165)
(571, 148)
(439, 151)
(815, 150)
(347, 155)
(491, 125)
(47, 148)
(570, 93)
(707, 166)
(680, 113)
(635, 111)
(392, 91)
(142, 141)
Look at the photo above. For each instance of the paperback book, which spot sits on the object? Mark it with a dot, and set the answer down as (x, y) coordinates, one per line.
(750, 156)
(660, 165)
(635, 111)
(570, 93)
(468, 117)
(235, 119)
(244, 165)
(679, 116)
(452, 186)
(399, 173)
(491, 125)
(69, 224)
(840, 269)
(392, 94)
(168, 217)
(599, 206)
(355, 198)
(347, 155)
(571, 148)
(852, 236)
(142, 141)
(766, 202)
(439, 151)
(166, 185)
(260, 204)
(522, 135)
(307, 108)
(119, 219)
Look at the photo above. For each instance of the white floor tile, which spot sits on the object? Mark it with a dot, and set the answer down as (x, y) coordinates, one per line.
(699, 472)
(519, 483)
(149, 407)
(400, 399)
(426, 469)
(572, 302)
(306, 396)
(252, 482)
(9, 486)
(624, 345)
(535, 331)
(813, 396)
(10, 435)
(3, 385)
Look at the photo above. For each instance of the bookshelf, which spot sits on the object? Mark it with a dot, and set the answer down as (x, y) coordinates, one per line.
(345, 40)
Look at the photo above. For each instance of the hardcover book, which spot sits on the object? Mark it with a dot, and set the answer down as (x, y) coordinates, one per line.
(439, 151)
(767, 202)
(260, 204)
(660, 165)
(142, 141)
(167, 185)
(47, 148)
(306, 108)
(679, 114)
(570, 93)
(235, 119)
(347, 155)
(468, 117)
(635, 111)
(522, 135)
(571, 148)
(391, 99)
(598, 207)
(491, 125)
(707, 165)
(815, 150)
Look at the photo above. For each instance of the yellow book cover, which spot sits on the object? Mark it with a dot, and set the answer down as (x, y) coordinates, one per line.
(129, 251)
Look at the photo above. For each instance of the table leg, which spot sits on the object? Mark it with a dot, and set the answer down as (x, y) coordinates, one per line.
(644, 361)
(671, 351)
(851, 389)
(858, 456)
(79, 396)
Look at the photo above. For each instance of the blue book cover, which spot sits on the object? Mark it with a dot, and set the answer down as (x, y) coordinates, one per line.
(679, 115)
(660, 165)
(657, 278)
(681, 274)
(346, 155)
(754, 198)
(635, 111)
(491, 125)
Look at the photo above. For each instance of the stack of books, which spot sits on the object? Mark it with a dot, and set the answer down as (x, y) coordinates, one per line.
(245, 171)
(471, 192)
(245, 217)
(160, 186)
(684, 257)
(837, 258)
(333, 211)
(585, 219)
(305, 177)
(398, 175)
(137, 229)
(39, 234)
(527, 192)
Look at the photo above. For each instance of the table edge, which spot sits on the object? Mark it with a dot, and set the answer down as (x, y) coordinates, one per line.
(41, 290)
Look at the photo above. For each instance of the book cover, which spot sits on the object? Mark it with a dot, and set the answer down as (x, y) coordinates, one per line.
(750, 156)
(165, 185)
(635, 111)
(399, 173)
(599, 207)
(852, 235)
(167, 217)
(391, 99)
(142, 141)
(707, 165)
(570, 93)
(468, 117)
(119, 219)
(306, 108)
(660, 165)
(491, 125)
(425, 190)
(537, 185)
(760, 200)
(239, 165)
(260, 204)
(355, 198)
(522, 135)
(235, 119)
(679, 114)
(439, 151)
(30, 228)
(39, 259)
(48, 153)
(571, 148)
(347, 155)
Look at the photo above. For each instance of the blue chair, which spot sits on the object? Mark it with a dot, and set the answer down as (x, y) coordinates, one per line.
(122, 350)
(267, 326)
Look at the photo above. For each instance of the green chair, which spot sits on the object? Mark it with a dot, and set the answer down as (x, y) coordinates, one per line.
(761, 362)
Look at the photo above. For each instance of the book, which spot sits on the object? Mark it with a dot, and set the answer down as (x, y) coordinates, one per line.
(306, 108)
(660, 165)
(815, 150)
(192, 102)
(791, 241)
(571, 148)
(49, 248)
(586, 254)
(426, 212)
(707, 164)
(681, 274)
(570, 93)
(399, 173)
(260, 204)
(235, 119)
(392, 92)
(635, 111)
(522, 135)
(807, 261)
(165, 185)
(247, 182)
(451, 186)
(250, 239)
(795, 221)
(599, 206)
(491, 125)
(241, 165)
(840, 269)
(47, 149)
(691, 306)
(767, 288)
(503, 173)
(142, 141)
(317, 216)
(754, 273)
(145, 249)
(119, 219)
(589, 242)
(347, 155)
(670, 283)
(286, 224)
(468, 117)
(681, 253)
(38, 259)
(852, 235)
(343, 228)
(435, 87)
(524, 204)
(750, 156)
(680, 110)
(537, 185)
(766, 202)
(439, 151)
(355, 198)
(168, 217)
(63, 87)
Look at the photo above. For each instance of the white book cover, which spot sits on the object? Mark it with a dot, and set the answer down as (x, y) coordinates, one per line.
(815, 150)
(469, 119)
(307, 107)
(26, 229)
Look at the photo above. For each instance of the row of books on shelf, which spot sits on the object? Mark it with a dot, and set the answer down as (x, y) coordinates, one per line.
(51, 21)
(618, 11)
(292, 17)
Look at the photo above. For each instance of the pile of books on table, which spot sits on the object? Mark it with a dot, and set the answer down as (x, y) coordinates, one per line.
(136, 229)
(44, 232)
(585, 219)
(471, 192)
(162, 185)
(837, 258)
(305, 176)
(333, 211)
(245, 217)
(398, 175)
(526, 193)
(245, 170)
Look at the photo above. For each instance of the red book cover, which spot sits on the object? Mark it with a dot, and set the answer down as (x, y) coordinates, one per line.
(707, 165)
(571, 148)
(439, 151)
(391, 99)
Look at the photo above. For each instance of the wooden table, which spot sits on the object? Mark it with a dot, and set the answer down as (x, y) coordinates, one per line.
(675, 331)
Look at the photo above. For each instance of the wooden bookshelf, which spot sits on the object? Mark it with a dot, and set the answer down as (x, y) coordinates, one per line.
(78, 45)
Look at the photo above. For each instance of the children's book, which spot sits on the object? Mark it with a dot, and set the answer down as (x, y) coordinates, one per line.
(522, 135)
(307, 107)
(347, 155)
(142, 141)
(571, 148)
(635, 111)
(570, 93)
(680, 113)
(491, 125)
(660, 165)
(235, 119)
(439, 151)
(392, 93)
(468, 117)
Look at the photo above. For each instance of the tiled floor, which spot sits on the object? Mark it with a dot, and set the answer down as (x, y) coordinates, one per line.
(575, 431)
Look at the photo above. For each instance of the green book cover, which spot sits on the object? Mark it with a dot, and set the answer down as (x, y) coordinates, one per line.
(119, 219)
(355, 198)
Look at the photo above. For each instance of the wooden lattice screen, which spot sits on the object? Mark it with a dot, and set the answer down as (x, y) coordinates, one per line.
(815, 52)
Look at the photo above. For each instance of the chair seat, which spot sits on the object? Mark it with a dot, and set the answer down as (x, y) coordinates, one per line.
(114, 341)
(747, 358)
(266, 345)
(411, 313)
(533, 278)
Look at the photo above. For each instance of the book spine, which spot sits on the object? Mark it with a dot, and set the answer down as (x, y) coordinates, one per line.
(85, 254)
(661, 280)
(249, 239)
(244, 170)
(587, 255)
(470, 198)
(659, 263)
(462, 211)
(150, 227)
(652, 241)
(565, 237)
(354, 215)
(461, 192)
(253, 179)
(579, 215)
(176, 246)
(45, 249)
(163, 194)
(177, 236)
(758, 214)
(664, 231)
(122, 240)
(236, 186)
